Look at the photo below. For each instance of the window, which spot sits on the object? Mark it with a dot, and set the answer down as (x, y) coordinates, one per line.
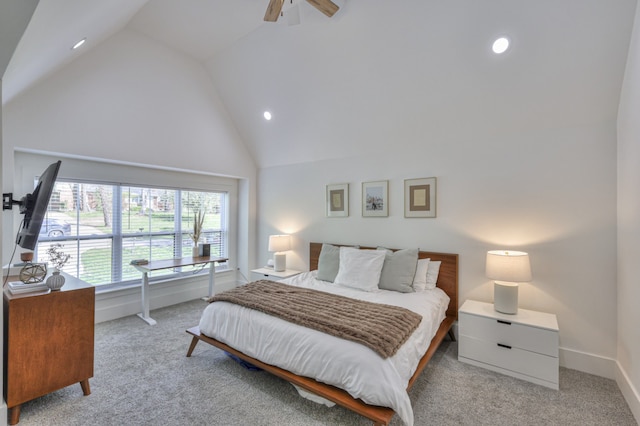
(105, 226)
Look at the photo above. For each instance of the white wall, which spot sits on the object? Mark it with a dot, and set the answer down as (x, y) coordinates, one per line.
(348, 86)
(133, 100)
(27, 166)
(550, 192)
(14, 19)
(523, 144)
(3, 405)
(628, 376)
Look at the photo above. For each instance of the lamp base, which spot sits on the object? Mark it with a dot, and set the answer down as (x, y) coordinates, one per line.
(505, 297)
(279, 262)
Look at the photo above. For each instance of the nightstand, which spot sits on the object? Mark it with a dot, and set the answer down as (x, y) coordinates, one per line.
(270, 274)
(524, 345)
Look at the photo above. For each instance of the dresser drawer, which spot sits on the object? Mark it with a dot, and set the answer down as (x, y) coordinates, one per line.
(512, 359)
(509, 333)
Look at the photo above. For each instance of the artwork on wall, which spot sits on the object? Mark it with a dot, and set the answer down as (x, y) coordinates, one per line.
(338, 200)
(375, 199)
(420, 197)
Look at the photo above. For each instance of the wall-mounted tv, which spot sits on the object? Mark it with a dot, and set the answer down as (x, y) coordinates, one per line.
(34, 207)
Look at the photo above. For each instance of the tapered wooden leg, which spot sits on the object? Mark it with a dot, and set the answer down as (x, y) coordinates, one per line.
(14, 415)
(192, 346)
(86, 390)
(451, 335)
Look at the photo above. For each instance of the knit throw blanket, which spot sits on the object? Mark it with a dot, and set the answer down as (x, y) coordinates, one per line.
(382, 328)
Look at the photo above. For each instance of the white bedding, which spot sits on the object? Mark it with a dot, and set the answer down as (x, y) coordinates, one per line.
(342, 363)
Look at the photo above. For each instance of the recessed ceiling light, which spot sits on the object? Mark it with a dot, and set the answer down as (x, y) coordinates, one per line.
(267, 115)
(500, 45)
(78, 44)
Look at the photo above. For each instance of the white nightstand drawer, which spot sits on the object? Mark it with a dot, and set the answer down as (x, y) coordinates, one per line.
(270, 274)
(523, 345)
(512, 359)
(509, 333)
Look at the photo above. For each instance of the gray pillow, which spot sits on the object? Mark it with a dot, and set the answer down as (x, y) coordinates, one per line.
(328, 263)
(398, 270)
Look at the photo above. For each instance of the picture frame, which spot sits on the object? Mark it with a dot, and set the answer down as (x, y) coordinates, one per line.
(337, 200)
(375, 199)
(420, 197)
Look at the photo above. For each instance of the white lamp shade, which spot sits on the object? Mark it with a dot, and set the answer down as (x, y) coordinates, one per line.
(510, 266)
(279, 243)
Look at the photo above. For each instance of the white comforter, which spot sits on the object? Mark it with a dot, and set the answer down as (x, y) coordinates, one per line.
(342, 363)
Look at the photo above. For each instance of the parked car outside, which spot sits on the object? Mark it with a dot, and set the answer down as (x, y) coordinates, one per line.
(55, 228)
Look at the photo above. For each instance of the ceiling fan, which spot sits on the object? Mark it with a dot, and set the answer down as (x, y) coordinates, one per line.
(327, 7)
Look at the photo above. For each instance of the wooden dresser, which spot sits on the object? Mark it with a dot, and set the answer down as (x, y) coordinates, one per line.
(48, 342)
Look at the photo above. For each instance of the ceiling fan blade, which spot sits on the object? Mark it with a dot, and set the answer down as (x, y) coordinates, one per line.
(327, 7)
(273, 10)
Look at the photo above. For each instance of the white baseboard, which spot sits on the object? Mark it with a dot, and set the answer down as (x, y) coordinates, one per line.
(588, 363)
(630, 393)
(122, 303)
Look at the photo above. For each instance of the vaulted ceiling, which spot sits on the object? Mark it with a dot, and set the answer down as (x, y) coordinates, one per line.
(377, 74)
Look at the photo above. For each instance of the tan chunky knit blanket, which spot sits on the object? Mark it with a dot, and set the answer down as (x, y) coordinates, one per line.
(382, 328)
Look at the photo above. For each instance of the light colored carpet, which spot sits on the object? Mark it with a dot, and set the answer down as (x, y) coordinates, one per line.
(142, 377)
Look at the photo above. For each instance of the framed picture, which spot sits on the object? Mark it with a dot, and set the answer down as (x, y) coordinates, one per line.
(338, 200)
(375, 199)
(420, 197)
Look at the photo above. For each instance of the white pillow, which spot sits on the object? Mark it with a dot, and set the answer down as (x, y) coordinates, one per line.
(432, 274)
(360, 268)
(420, 279)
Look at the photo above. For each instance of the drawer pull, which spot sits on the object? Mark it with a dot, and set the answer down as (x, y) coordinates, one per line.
(504, 346)
(504, 322)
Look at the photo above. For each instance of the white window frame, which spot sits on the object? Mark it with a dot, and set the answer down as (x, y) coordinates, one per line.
(118, 236)
(28, 165)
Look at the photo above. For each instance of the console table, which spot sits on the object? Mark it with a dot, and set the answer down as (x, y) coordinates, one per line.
(157, 265)
(48, 342)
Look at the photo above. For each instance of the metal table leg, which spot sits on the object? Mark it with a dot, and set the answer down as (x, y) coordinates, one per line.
(144, 315)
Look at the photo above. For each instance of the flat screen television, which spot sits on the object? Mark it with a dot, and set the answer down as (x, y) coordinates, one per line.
(34, 207)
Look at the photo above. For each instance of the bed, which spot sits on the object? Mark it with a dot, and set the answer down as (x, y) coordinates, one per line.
(377, 408)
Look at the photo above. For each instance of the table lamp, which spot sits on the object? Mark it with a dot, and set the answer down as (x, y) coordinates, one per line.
(507, 268)
(279, 244)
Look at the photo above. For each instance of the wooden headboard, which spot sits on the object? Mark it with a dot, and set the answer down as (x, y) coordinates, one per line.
(447, 278)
